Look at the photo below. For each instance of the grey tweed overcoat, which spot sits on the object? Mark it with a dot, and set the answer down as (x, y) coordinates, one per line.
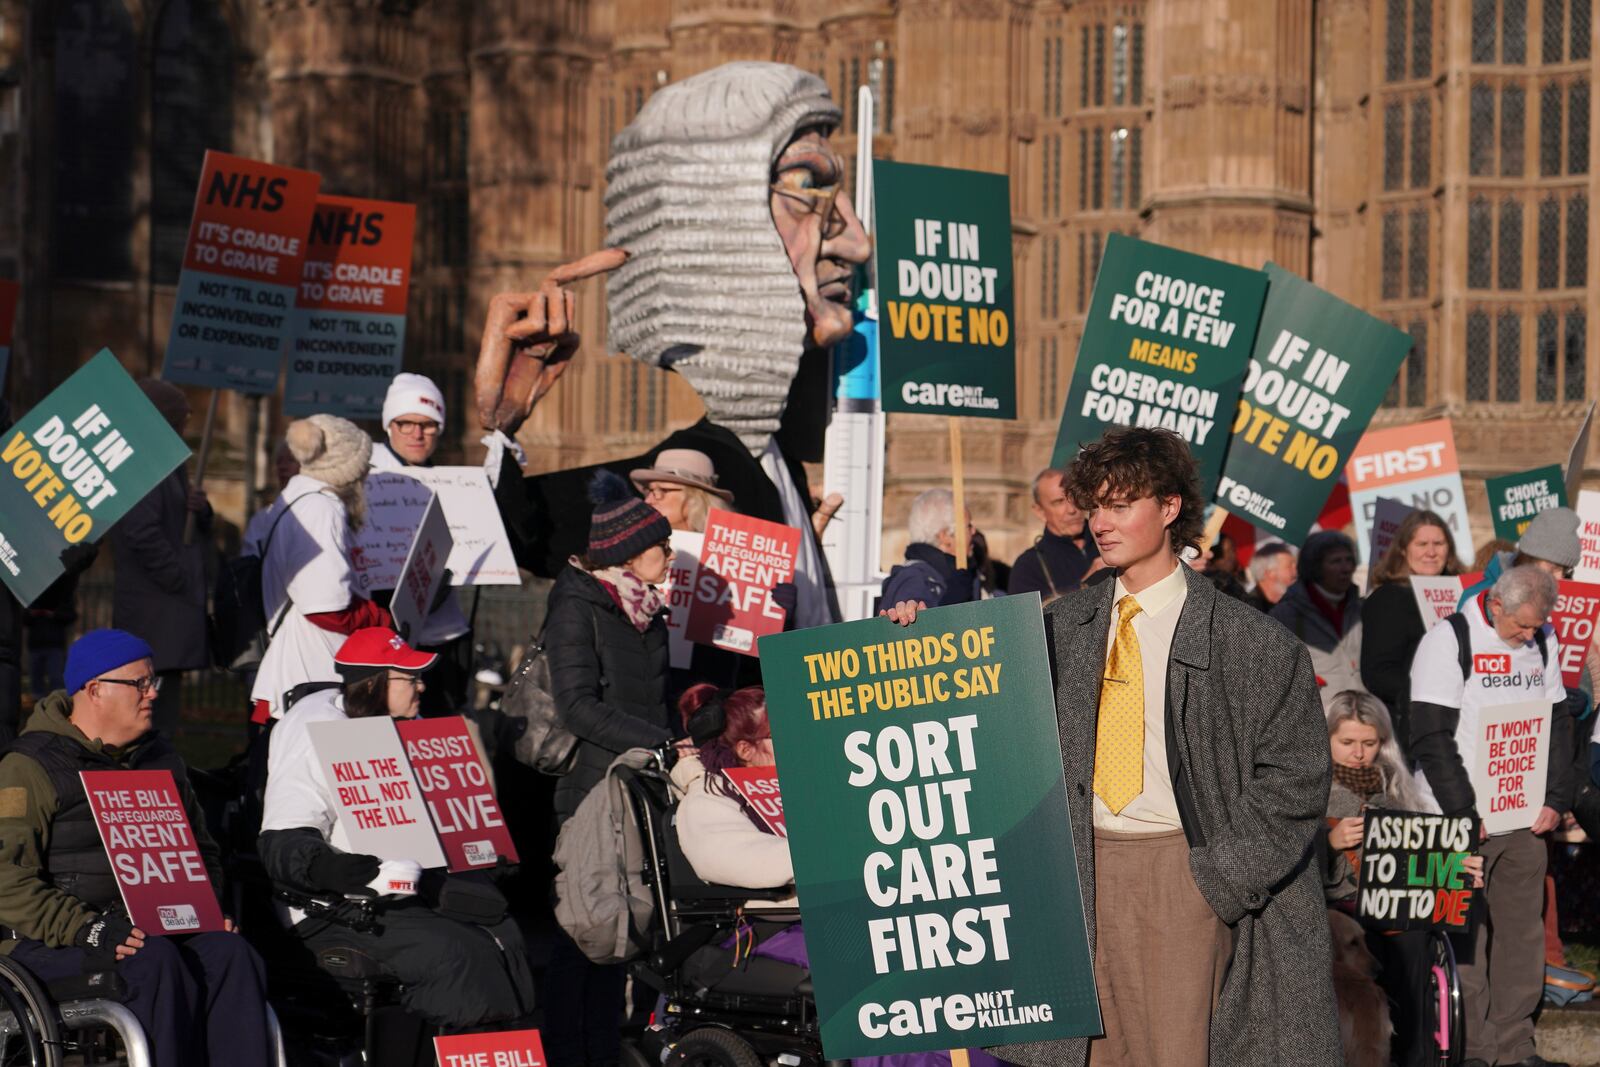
(1248, 747)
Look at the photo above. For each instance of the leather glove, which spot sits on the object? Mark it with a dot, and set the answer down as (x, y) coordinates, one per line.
(342, 872)
(99, 939)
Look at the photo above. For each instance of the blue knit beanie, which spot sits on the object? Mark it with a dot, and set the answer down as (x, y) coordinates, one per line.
(100, 651)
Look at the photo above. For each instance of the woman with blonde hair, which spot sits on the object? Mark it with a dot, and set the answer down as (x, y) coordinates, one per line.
(1422, 546)
(682, 485)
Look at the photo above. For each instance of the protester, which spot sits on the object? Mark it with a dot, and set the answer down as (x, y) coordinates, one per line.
(606, 638)
(1323, 610)
(413, 417)
(1392, 623)
(49, 622)
(682, 485)
(929, 573)
(1200, 820)
(1272, 570)
(201, 998)
(1550, 543)
(458, 964)
(160, 583)
(307, 584)
(993, 577)
(1511, 655)
(1063, 554)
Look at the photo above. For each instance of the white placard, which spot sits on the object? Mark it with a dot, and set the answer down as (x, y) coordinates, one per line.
(678, 591)
(375, 791)
(1436, 597)
(481, 554)
(1510, 763)
(424, 567)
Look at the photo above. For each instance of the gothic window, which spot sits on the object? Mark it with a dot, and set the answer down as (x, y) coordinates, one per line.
(1094, 253)
(1510, 251)
(1479, 238)
(1421, 38)
(1578, 128)
(1391, 396)
(1137, 76)
(1553, 28)
(1417, 367)
(1483, 27)
(1083, 272)
(1083, 170)
(1083, 69)
(1055, 277)
(1545, 351)
(855, 94)
(1119, 64)
(1394, 52)
(1578, 241)
(95, 124)
(1508, 357)
(652, 387)
(1550, 130)
(1549, 270)
(1513, 106)
(602, 398)
(1477, 355)
(1135, 161)
(1055, 96)
(1055, 170)
(191, 111)
(1391, 256)
(1099, 65)
(1394, 136)
(1097, 172)
(1514, 31)
(1055, 378)
(1049, 80)
(1044, 277)
(632, 372)
(1119, 164)
(1044, 178)
(1417, 254)
(888, 105)
(1577, 365)
(1421, 142)
(1579, 30)
(1480, 137)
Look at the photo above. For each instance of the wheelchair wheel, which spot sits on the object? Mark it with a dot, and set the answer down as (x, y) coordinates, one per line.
(30, 1032)
(712, 1046)
(1446, 1012)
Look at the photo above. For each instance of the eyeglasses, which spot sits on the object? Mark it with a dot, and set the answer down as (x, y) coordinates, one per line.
(656, 492)
(415, 427)
(413, 680)
(149, 685)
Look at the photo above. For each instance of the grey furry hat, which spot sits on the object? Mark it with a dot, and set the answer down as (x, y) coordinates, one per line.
(708, 289)
(330, 449)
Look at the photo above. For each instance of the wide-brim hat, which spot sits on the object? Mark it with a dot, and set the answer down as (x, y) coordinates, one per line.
(681, 466)
(378, 648)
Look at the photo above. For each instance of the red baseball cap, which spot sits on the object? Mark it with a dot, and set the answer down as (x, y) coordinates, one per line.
(378, 648)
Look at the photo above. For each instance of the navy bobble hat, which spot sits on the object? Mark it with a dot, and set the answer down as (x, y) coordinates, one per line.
(622, 525)
(101, 651)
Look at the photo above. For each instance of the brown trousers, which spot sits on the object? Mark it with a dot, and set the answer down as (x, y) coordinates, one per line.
(1502, 986)
(1160, 956)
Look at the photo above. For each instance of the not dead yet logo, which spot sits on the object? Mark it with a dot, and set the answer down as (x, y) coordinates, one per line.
(479, 853)
(1493, 671)
(178, 917)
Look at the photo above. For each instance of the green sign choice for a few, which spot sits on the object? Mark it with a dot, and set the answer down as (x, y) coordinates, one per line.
(73, 466)
(945, 339)
(1514, 499)
(927, 817)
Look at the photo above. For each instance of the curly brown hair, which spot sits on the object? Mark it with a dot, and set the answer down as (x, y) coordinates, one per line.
(1130, 462)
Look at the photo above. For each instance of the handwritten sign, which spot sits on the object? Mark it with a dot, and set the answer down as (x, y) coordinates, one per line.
(741, 560)
(365, 767)
(1576, 612)
(456, 787)
(1510, 764)
(506, 1048)
(1437, 597)
(678, 592)
(153, 852)
(423, 569)
(759, 787)
(480, 552)
(1413, 873)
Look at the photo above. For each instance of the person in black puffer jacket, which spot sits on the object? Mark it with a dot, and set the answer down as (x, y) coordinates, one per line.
(606, 638)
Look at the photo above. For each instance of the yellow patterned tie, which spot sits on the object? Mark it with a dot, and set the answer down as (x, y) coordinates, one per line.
(1119, 738)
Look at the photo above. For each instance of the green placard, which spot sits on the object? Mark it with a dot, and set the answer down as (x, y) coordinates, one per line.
(1319, 371)
(927, 816)
(1514, 499)
(1166, 343)
(73, 466)
(945, 333)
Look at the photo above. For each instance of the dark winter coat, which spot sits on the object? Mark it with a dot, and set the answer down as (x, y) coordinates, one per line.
(1054, 566)
(160, 588)
(608, 679)
(1335, 656)
(1248, 749)
(1391, 630)
(930, 577)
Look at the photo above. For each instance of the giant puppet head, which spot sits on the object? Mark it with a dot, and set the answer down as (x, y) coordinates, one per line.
(724, 192)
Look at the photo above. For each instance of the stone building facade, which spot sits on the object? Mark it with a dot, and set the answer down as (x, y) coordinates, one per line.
(1429, 160)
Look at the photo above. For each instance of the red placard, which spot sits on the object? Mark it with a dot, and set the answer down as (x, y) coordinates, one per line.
(153, 853)
(508, 1048)
(251, 220)
(359, 257)
(456, 787)
(1576, 612)
(741, 560)
(9, 292)
(759, 786)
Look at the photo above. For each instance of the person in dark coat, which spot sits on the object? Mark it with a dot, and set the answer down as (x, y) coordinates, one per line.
(606, 638)
(1272, 571)
(1391, 622)
(160, 584)
(1064, 553)
(1194, 842)
(930, 574)
(1323, 610)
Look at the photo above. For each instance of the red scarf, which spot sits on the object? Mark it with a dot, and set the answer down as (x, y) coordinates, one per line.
(1334, 613)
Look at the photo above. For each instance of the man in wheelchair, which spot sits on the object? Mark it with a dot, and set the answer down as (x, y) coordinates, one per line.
(58, 895)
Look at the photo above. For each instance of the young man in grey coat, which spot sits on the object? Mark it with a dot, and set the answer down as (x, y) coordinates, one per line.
(1197, 771)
